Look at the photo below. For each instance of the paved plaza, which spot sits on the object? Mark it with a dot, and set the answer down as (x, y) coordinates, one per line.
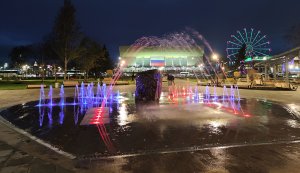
(19, 153)
(149, 86)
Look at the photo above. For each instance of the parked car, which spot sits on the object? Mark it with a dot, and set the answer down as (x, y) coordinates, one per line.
(280, 74)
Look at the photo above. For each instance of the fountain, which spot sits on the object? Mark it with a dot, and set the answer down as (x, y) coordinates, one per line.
(50, 118)
(215, 99)
(196, 95)
(207, 94)
(98, 93)
(238, 93)
(62, 95)
(96, 101)
(41, 117)
(76, 94)
(42, 95)
(225, 93)
(232, 93)
(85, 95)
(50, 96)
(125, 128)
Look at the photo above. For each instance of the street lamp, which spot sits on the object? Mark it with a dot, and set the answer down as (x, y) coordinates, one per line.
(122, 62)
(200, 67)
(25, 68)
(215, 57)
(5, 65)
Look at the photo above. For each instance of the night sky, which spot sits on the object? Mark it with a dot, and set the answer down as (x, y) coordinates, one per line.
(120, 22)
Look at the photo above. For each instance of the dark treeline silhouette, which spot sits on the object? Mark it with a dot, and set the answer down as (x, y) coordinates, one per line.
(65, 46)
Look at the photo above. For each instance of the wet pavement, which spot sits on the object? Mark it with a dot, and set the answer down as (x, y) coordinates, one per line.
(163, 139)
(173, 125)
(14, 160)
(262, 159)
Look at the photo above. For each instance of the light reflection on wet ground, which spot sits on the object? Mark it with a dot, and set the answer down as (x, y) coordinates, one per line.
(261, 159)
(174, 124)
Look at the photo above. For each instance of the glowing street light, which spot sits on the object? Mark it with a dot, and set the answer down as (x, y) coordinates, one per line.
(161, 68)
(215, 57)
(5, 65)
(122, 62)
(25, 67)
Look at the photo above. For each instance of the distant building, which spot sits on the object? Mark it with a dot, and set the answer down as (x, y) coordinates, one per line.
(156, 57)
(286, 64)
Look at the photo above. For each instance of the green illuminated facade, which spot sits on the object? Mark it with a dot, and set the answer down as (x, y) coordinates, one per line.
(159, 57)
(257, 58)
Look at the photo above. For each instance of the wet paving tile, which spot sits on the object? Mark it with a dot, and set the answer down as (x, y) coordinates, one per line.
(15, 169)
(39, 166)
(170, 126)
(5, 153)
(177, 135)
(19, 161)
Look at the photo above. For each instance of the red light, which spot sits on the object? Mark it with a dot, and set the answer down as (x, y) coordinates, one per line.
(246, 115)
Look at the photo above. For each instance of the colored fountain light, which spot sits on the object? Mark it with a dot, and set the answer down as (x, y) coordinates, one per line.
(122, 127)
(62, 95)
(84, 95)
(225, 102)
(129, 124)
(95, 101)
(42, 95)
(50, 96)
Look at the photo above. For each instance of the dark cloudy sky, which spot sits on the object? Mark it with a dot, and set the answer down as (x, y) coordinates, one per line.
(121, 22)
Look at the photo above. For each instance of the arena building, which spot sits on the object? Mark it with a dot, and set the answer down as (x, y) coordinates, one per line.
(167, 58)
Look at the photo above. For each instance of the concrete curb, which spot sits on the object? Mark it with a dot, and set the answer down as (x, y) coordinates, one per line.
(20, 131)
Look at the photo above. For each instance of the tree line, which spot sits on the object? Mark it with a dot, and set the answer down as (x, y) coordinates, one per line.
(65, 46)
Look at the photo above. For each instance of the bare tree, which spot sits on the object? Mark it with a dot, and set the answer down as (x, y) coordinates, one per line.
(66, 36)
(92, 55)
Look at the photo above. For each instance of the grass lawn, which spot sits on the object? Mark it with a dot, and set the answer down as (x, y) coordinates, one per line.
(22, 84)
(11, 86)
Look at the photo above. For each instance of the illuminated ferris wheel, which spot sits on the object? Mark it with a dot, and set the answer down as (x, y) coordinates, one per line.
(256, 44)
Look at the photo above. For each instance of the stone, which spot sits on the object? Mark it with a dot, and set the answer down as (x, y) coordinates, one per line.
(62, 170)
(4, 153)
(2, 159)
(15, 169)
(39, 166)
(19, 161)
(148, 86)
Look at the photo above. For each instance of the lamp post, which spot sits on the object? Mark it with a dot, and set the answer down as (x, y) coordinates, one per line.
(215, 57)
(122, 63)
(5, 65)
(25, 68)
